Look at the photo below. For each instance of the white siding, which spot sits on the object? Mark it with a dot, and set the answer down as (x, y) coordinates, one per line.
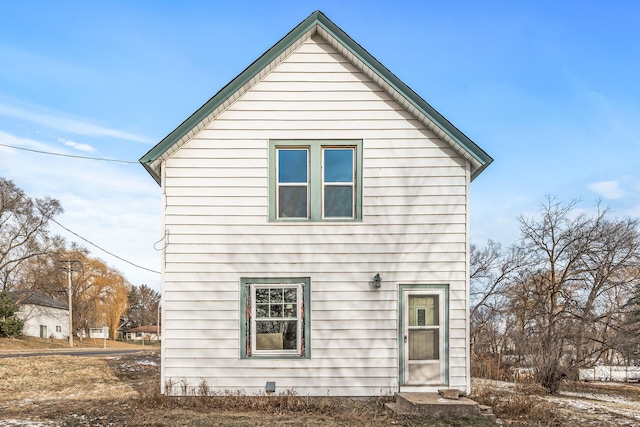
(413, 231)
(35, 316)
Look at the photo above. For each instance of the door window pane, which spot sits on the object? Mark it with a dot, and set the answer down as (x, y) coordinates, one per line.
(424, 310)
(424, 344)
(424, 331)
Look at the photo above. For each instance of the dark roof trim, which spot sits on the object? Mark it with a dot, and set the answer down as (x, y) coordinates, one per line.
(225, 93)
(152, 329)
(37, 298)
(317, 18)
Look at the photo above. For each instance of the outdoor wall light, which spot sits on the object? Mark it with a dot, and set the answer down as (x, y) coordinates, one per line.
(377, 280)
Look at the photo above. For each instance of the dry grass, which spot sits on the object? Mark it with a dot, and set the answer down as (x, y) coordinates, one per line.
(55, 377)
(57, 390)
(32, 343)
(518, 402)
(125, 391)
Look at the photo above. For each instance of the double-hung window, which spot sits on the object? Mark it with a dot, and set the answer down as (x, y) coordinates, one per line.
(338, 182)
(293, 182)
(275, 317)
(315, 180)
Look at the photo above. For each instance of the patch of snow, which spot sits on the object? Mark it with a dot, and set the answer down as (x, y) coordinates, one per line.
(26, 423)
(618, 409)
(596, 396)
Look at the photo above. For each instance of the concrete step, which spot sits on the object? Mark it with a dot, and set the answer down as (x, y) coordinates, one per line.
(487, 412)
(435, 405)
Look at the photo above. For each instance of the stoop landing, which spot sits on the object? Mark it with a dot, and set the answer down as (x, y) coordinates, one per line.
(435, 404)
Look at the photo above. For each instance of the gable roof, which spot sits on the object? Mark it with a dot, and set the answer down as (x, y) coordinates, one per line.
(317, 24)
(36, 298)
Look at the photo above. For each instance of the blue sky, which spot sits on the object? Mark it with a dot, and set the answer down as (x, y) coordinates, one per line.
(551, 90)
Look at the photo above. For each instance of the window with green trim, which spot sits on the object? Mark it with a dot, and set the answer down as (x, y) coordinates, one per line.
(275, 317)
(315, 180)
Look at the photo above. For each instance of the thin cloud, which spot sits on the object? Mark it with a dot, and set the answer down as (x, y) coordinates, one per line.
(607, 189)
(7, 138)
(80, 146)
(58, 121)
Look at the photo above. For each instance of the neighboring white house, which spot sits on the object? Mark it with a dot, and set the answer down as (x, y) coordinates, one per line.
(43, 316)
(143, 333)
(316, 214)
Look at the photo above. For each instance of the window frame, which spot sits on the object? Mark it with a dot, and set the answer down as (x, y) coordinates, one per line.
(306, 184)
(443, 292)
(248, 318)
(316, 178)
(298, 319)
(351, 184)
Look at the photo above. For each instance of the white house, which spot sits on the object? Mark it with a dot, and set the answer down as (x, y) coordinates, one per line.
(143, 333)
(316, 217)
(42, 315)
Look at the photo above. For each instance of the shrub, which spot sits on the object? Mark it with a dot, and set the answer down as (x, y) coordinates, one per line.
(10, 325)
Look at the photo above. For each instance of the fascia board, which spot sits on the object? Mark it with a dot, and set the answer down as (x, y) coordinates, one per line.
(223, 94)
(481, 157)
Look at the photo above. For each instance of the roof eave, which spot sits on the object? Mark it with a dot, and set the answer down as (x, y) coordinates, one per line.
(482, 158)
(223, 94)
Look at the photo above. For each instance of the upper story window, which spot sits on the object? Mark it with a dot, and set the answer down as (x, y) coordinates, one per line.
(293, 182)
(315, 180)
(338, 181)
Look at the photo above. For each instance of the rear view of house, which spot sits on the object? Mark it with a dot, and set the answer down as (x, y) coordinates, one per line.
(316, 221)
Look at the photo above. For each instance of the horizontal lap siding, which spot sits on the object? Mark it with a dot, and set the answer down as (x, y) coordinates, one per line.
(413, 230)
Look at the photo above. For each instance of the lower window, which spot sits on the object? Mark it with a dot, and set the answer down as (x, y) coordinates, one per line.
(275, 318)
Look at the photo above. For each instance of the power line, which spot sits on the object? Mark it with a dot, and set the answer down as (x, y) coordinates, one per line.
(104, 250)
(68, 155)
(79, 236)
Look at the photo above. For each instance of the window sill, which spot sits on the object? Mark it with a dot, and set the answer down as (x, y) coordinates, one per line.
(313, 221)
(275, 357)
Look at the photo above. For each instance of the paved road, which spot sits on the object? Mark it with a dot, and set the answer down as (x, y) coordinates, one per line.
(79, 352)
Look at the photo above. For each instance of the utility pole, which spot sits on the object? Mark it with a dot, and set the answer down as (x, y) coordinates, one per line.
(68, 268)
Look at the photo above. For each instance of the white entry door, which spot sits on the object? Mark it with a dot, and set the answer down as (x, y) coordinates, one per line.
(423, 329)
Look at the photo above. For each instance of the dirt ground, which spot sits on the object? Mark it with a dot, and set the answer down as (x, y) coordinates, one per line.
(124, 390)
(70, 391)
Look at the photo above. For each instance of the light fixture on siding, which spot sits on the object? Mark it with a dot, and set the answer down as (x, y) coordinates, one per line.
(377, 280)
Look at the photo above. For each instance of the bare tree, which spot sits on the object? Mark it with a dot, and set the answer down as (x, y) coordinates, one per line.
(569, 297)
(627, 338)
(491, 269)
(607, 281)
(24, 231)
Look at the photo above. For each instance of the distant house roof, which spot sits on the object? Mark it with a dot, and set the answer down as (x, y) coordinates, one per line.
(148, 329)
(37, 298)
(317, 24)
